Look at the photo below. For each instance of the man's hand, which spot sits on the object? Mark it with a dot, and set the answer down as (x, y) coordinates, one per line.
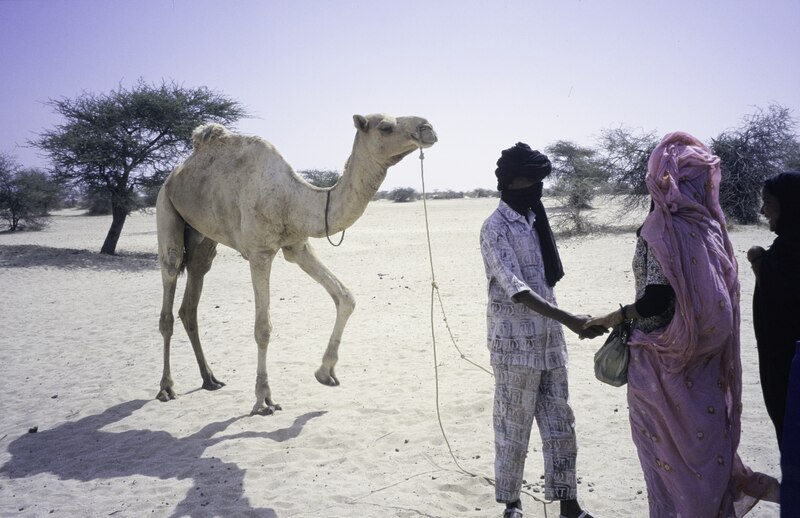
(580, 325)
(575, 323)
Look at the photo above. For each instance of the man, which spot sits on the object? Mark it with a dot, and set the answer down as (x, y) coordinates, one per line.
(525, 337)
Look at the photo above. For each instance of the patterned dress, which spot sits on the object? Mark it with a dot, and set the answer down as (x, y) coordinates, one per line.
(647, 273)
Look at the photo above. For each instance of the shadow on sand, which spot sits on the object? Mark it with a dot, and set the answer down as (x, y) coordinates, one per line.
(28, 256)
(80, 451)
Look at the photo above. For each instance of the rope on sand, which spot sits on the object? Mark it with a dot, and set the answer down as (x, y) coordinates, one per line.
(434, 295)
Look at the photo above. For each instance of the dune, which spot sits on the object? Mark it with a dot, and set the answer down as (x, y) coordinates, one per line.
(80, 359)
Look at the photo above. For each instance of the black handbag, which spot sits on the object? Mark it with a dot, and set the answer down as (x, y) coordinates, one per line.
(611, 360)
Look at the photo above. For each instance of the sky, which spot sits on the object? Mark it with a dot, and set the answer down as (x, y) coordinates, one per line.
(486, 74)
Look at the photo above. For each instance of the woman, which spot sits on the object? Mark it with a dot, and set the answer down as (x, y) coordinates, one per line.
(776, 301)
(684, 377)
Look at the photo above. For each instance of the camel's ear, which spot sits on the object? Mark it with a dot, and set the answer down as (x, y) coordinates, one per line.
(361, 122)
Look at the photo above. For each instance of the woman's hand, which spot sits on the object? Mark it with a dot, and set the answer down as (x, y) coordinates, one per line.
(754, 254)
(607, 321)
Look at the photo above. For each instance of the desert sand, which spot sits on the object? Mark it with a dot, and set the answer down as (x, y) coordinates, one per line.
(80, 361)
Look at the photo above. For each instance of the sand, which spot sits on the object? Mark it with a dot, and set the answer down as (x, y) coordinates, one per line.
(80, 361)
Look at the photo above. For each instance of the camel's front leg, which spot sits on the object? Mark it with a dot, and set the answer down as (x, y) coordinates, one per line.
(260, 267)
(305, 257)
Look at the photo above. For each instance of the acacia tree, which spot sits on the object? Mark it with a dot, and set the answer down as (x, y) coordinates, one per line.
(128, 139)
(625, 154)
(765, 144)
(26, 195)
(578, 172)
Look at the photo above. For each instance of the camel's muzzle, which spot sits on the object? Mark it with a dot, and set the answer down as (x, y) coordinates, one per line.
(425, 135)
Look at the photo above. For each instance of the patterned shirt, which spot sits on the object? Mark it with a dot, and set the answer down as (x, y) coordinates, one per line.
(517, 335)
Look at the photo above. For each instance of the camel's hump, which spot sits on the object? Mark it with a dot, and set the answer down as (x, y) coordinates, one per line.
(207, 133)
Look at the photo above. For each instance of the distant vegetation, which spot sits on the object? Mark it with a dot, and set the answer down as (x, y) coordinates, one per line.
(763, 145)
(320, 178)
(406, 194)
(26, 195)
(113, 151)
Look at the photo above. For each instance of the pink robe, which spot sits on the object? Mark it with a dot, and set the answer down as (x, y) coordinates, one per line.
(685, 380)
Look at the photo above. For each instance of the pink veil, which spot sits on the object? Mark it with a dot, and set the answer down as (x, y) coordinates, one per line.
(686, 233)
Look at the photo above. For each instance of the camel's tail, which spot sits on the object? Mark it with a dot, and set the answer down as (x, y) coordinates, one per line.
(207, 133)
(172, 235)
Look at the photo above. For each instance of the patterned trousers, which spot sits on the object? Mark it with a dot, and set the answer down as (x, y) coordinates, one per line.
(522, 394)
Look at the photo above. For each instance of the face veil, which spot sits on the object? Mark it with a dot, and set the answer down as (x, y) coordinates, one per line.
(520, 161)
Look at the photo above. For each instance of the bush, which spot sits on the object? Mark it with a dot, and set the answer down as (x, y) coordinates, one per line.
(402, 195)
(445, 195)
(483, 193)
(26, 196)
(320, 178)
(96, 202)
(762, 146)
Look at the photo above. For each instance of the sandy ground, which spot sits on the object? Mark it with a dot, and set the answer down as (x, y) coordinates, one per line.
(80, 358)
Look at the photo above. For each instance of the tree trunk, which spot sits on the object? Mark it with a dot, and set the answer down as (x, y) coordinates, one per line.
(119, 213)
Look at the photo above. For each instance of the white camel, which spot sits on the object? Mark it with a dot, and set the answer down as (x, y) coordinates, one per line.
(239, 191)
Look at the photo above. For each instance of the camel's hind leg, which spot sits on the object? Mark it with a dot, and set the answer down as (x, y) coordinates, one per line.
(171, 227)
(304, 256)
(200, 252)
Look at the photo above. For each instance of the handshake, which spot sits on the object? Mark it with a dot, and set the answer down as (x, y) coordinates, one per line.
(587, 327)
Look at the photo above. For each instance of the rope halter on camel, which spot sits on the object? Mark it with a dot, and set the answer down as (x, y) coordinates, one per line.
(327, 232)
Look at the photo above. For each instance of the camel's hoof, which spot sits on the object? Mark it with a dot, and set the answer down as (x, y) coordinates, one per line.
(326, 379)
(213, 384)
(165, 394)
(266, 410)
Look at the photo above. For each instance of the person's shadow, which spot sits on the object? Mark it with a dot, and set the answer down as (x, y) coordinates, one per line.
(80, 451)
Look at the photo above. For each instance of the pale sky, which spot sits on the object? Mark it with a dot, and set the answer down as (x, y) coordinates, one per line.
(486, 74)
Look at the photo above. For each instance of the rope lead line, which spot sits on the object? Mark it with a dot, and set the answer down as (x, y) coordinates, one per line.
(434, 294)
(433, 332)
(434, 286)
(327, 233)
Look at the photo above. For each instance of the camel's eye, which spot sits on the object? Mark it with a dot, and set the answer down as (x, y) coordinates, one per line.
(385, 128)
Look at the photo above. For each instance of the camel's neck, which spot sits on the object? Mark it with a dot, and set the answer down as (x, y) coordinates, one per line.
(361, 179)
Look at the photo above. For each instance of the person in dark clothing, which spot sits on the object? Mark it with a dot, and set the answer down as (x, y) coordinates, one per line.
(776, 301)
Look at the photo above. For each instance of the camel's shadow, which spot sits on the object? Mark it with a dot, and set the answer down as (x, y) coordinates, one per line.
(80, 451)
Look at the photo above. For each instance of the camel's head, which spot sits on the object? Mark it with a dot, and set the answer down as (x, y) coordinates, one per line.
(388, 139)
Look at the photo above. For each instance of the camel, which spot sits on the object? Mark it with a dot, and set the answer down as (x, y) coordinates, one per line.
(239, 191)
